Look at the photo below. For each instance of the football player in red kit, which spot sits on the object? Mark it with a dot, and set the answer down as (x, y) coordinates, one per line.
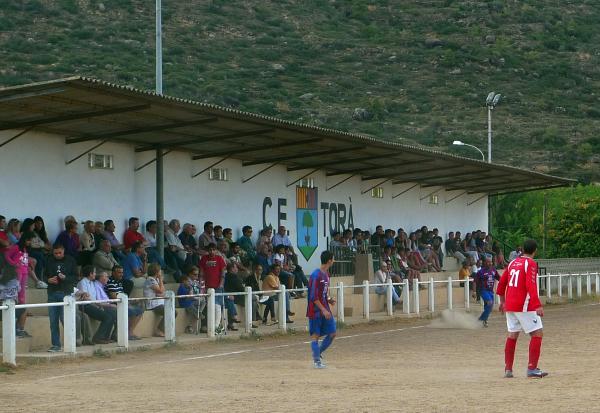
(520, 302)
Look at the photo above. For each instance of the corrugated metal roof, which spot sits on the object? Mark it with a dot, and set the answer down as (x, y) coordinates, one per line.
(85, 109)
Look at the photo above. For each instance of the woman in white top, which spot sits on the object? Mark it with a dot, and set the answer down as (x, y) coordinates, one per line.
(383, 276)
(154, 287)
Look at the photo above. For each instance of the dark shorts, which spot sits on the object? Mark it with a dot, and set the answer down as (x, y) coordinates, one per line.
(321, 326)
(135, 311)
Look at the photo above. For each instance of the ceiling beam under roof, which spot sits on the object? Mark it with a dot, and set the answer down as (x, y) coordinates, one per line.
(245, 149)
(512, 184)
(4, 125)
(303, 155)
(528, 189)
(139, 130)
(435, 182)
(333, 162)
(376, 167)
(203, 139)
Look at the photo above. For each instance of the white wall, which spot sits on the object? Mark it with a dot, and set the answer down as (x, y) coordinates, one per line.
(33, 167)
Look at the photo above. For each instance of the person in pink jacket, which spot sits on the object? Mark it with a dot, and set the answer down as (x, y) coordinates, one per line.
(16, 255)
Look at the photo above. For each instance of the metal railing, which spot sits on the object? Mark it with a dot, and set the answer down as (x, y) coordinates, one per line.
(554, 283)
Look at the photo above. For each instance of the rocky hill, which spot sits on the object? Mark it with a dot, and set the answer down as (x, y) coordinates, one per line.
(410, 70)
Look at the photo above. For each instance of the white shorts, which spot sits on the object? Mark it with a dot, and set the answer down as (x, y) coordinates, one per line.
(527, 321)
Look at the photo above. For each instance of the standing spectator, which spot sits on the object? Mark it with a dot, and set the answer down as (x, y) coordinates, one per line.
(213, 267)
(153, 288)
(115, 286)
(109, 234)
(132, 235)
(136, 262)
(61, 273)
(70, 240)
(516, 253)
(103, 312)
(246, 244)
(206, 238)
(103, 259)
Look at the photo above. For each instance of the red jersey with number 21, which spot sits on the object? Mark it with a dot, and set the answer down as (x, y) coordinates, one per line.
(518, 285)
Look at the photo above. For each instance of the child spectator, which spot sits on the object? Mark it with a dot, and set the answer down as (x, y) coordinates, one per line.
(191, 305)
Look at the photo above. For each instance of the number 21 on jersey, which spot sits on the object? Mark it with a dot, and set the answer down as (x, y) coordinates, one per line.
(514, 278)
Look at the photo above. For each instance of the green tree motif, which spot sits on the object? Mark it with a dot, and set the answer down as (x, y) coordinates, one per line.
(307, 221)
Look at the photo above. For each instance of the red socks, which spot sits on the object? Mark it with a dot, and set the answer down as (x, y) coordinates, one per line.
(535, 346)
(509, 353)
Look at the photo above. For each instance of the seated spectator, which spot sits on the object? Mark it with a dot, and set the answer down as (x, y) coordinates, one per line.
(132, 235)
(206, 238)
(103, 258)
(270, 283)
(9, 290)
(101, 294)
(253, 281)
(118, 249)
(116, 285)
(516, 253)
(401, 240)
(175, 253)
(193, 306)
(246, 244)
(465, 270)
(406, 270)
(40, 245)
(153, 255)
(498, 254)
(228, 236)
(154, 288)
(388, 238)
(189, 243)
(61, 274)
(235, 257)
(4, 242)
(265, 259)
(336, 240)
(223, 249)
(218, 234)
(265, 238)
(452, 248)
(427, 252)
(285, 276)
(98, 233)
(436, 244)
(415, 258)
(13, 231)
(378, 237)
(88, 243)
(383, 276)
(281, 238)
(103, 312)
(136, 262)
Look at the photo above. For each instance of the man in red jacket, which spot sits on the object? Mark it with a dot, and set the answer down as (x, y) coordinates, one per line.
(520, 302)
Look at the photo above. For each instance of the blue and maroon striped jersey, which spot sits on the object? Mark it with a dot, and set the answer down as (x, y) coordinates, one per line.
(318, 289)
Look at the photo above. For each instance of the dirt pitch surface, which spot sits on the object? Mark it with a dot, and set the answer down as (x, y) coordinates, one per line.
(398, 365)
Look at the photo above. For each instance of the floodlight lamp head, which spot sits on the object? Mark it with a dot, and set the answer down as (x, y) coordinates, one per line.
(496, 99)
(459, 143)
(490, 98)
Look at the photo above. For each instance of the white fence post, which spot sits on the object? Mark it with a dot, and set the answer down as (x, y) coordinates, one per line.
(340, 302)
(366, 303)
(570, 287)
(123, 320)
(449, 293)
(431, 295)
(9, 343)
(248, 310)
(467, 296)
(282, 309)
(210, 313)
(170, 316)
(548, 286)
(597, 284)
(406, 297)
(416, 296)
(69, 327)
(588, 284)
(560, 285)
(389, 298)
(578, 285)
(539, 278)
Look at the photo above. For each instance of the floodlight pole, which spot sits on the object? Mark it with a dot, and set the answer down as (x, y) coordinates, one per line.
(490, 133)
(159, 88)
(160, 202)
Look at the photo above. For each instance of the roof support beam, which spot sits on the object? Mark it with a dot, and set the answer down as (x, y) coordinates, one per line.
(405, 191)
(443, 173)
(477, 200)
(334, 162)
(455, 197)
(302, 177)
(21, 94)
(453, 180)
(211, 166)
(70, 117)
(86, 152)
(302, 155)
(339, 183)
(375, 186)
(245, 149)
(259, 172)
(139, 130)
(203, 139)
(529, 189)
(376, 167)
(9, 140)
(486, 188)
(429, 194)
(151, 161)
